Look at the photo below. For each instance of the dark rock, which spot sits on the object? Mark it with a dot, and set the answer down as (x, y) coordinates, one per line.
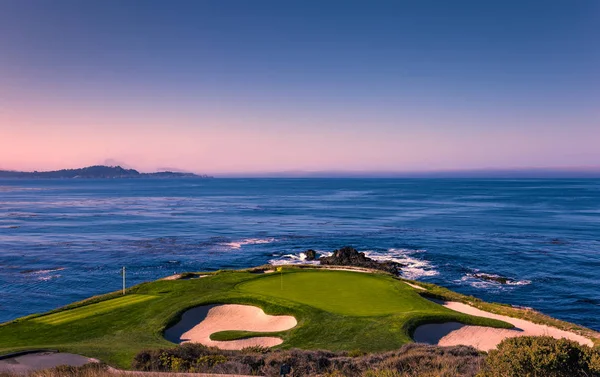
(310, 255)
(348, 256)
(493, 278)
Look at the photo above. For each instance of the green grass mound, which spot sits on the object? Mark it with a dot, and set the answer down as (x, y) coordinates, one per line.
(342, 292)
(336, 310)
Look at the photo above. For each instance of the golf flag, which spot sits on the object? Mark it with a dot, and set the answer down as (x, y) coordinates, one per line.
(279, 269)
(123, 274)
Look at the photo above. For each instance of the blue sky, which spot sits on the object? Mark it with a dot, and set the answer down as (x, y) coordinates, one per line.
(257, 86)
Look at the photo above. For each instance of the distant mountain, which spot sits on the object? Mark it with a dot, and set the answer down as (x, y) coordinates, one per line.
(98, 171)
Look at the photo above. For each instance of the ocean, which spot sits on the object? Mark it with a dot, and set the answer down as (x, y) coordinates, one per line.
(65, 240)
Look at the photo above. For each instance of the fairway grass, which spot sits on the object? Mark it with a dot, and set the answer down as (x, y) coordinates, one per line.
(335, 310)
(92, 309)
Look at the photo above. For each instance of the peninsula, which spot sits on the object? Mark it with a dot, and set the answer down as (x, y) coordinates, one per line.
(97, 172)
(219, 322)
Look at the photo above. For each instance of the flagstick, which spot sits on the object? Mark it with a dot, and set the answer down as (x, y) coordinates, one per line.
(123, 280)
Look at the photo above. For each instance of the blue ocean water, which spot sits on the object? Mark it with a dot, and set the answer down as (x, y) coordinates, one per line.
(65, 240)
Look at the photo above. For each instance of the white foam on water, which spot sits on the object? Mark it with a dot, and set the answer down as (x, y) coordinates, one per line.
(48, 277)
(484, 280)
(43, 272)
(414, 268)
(288, 259)
(248, 241)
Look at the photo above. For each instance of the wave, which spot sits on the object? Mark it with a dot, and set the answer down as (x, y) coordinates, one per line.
(48, 277)
(414, 268)
(248, 241)
(42, 271)
(485, 280)
(16, 188)
(288, 259)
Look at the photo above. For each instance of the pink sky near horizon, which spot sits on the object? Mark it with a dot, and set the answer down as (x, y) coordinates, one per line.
(56, 137)
(46, 128)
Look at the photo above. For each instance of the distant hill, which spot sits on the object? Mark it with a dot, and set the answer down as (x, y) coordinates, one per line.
(98, 171)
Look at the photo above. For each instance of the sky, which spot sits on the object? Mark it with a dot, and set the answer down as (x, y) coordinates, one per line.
(225, 86)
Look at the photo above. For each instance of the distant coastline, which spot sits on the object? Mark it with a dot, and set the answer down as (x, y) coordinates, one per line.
(97, 172)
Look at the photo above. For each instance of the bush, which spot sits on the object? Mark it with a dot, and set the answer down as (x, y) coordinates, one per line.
(541, 357)
(189, 357)
(409, 361)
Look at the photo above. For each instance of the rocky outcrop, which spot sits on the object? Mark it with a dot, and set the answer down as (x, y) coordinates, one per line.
(349, 256)
(311, 255)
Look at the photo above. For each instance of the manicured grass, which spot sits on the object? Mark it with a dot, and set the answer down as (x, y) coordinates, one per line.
(341, 292)
(92, 309)
(336, 310)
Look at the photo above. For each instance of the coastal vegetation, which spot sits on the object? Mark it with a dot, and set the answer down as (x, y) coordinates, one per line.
(515, 357)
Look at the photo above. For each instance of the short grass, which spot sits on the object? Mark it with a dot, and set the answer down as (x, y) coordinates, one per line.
(342, 292)
(336, 310)
(92, 309)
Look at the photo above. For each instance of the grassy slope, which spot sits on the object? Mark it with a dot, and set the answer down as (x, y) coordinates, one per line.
(336, 310)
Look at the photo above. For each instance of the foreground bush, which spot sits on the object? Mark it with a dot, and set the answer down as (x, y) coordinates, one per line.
(411, 360)
(541, 357)
(516, 357)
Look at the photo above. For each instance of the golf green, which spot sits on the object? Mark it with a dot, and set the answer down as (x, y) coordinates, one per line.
(341, 292)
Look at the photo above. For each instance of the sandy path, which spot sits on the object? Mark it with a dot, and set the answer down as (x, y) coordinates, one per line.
(415, 286)
(486, 338)
(199, 323)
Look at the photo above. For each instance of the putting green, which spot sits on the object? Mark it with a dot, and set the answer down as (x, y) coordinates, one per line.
(341, 292)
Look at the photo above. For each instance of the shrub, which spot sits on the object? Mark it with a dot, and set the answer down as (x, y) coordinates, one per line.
(255, 349)
(540, 357)
(211, 360)
(409, 361)
(594, 362)
(356, 353)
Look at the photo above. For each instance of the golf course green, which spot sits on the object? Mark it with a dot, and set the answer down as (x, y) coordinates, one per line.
(342, 292)
(335, 310)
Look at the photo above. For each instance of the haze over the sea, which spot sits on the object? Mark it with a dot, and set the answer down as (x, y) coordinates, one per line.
(243, 87)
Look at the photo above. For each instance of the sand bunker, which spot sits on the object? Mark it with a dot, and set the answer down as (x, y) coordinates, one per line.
(25, 364)
(199, 323)
(180, 277)
(486, 338)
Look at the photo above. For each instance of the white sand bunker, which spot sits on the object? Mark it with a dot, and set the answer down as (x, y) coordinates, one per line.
(486, 338)
(199, 323)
